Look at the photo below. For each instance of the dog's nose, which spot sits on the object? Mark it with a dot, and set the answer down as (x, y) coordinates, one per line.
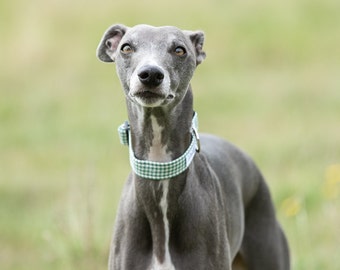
(151, 76)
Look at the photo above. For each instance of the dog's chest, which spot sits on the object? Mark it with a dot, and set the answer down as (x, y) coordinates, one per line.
(161, 259)
(158, 153)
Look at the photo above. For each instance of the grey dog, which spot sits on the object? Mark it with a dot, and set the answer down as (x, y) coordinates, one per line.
(213, 213)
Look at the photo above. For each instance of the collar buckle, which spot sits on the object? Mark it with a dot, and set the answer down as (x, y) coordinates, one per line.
(197, 138)
(123, 131)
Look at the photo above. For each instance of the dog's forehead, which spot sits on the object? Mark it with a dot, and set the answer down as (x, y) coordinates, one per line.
(150, 34)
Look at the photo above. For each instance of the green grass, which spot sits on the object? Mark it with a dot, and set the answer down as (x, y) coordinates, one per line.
(270, 84)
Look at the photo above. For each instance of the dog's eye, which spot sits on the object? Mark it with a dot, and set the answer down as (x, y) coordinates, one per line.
(180, 51)
(126, 49)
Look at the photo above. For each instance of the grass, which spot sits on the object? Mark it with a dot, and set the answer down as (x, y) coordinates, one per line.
(270, 84)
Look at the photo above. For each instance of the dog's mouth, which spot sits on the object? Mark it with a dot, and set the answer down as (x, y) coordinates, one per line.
(152, 98)
(148, 95)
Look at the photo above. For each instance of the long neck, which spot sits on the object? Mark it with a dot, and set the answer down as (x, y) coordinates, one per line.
(161, 134)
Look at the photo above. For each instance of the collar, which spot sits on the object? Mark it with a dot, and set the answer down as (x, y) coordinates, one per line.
(161, 170)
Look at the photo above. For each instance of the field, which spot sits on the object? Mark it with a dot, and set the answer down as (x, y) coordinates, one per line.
(270, 84)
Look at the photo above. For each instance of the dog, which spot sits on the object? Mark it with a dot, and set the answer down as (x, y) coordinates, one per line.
(192, 201)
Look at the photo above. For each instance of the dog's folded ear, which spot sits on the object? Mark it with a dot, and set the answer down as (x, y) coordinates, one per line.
(197, 39)
(107, 48)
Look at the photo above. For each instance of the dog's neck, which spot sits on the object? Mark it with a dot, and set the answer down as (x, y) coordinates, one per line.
(161, 134)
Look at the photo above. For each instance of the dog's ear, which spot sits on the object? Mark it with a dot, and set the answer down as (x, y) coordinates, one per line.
(107, 48)
(197, 39)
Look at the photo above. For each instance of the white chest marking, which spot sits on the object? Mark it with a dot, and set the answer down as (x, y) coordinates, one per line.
(157, 151)
(167, 263)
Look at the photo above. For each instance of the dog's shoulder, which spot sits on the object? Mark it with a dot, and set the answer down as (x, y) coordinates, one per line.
(232, 165)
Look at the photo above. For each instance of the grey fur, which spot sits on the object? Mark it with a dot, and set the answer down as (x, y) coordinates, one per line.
(216, 215)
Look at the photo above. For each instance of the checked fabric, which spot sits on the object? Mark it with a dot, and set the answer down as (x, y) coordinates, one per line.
(161, 170)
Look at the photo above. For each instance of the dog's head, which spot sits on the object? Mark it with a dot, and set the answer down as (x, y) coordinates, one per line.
(155, 64)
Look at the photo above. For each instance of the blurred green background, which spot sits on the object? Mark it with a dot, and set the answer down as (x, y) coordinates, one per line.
(270, 84)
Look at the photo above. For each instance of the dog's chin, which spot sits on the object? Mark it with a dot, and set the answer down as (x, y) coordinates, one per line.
(151, 99)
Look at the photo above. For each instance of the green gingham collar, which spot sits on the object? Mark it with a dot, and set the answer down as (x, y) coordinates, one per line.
(161, 170)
